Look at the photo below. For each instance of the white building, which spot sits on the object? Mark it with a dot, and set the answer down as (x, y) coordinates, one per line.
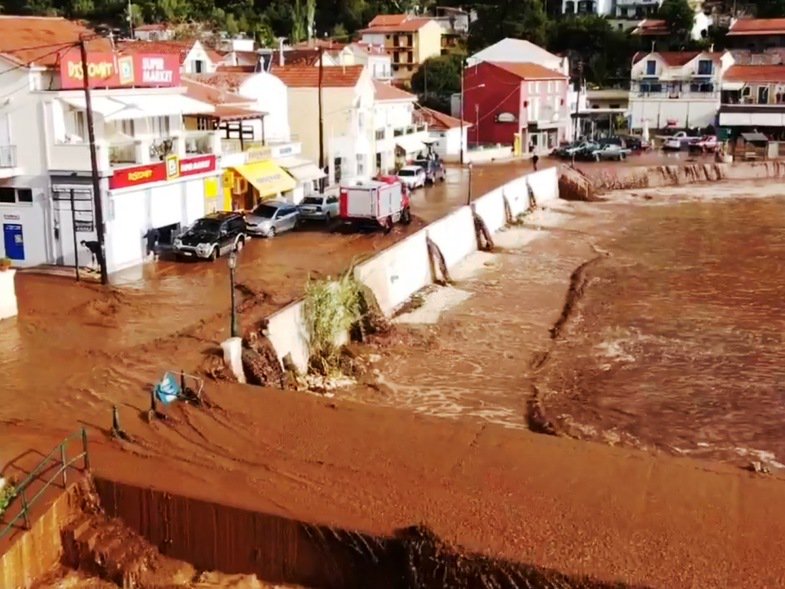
(374, 57)
(399, 130)
(153, 172)
(193, 55)
(446, 133)
(586, 7)
(676, 89)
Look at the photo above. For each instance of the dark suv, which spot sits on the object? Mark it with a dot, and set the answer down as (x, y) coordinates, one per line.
(212, 236)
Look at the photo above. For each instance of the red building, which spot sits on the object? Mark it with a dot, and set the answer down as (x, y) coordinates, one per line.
(505, 99)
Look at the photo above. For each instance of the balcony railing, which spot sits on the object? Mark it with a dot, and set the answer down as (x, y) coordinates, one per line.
(7, 156)
(123, 153)
(198, 142)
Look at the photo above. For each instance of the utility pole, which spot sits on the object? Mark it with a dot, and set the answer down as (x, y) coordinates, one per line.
(97, 199)
(131, 19)
(578, 100)
(460, 113)
(321, 114)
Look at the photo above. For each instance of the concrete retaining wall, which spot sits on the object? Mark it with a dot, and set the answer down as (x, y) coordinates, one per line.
(401, 270)
(8, 306)
(487, 154)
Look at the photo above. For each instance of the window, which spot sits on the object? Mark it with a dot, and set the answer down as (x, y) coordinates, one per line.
(651, 67)
(531, 87)
(75, 124)
(127, 127)
(198, 66)
(378, 162)
(379, 134)
(10, 195)
(337, 162)
(360, 165)
(705, 67)
(159, 126)
(763, 95)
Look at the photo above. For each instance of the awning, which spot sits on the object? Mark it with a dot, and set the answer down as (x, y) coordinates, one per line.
(409, 144)
(754, 137)
(267, 177)
(119, 108)
(302, 170)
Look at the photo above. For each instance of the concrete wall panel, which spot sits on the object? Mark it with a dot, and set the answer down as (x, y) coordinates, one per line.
(544, 185)
(454, 234)
(491, 209)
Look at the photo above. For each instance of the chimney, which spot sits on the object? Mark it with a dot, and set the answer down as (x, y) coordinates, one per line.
(280, 51)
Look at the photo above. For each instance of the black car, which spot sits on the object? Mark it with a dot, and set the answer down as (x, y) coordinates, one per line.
(212, 236)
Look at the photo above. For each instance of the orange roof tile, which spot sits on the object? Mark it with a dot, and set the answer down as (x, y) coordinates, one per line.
(304, 76)
(651, 26)
(758, 26)
(203, 92)
(388, 20)
(179, 48)
(439, 121)
(676, 58)
(389, 93)
(756, 73)
(316, 43)
(153, 27)
(408, 26)
(529, 71)
(42, 40)
(222, 80)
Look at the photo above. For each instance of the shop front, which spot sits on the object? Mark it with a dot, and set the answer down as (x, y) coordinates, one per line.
(166, 196)
(306, 174)
(247, 185)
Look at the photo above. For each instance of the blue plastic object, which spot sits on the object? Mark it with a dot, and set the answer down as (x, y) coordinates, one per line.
(168, 389)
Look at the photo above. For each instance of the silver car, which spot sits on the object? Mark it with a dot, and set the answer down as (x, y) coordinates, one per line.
(321, 207)
(412, 177)
(270, 218)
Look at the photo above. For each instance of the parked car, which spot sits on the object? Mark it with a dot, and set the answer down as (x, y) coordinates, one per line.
(412, 177)
(434, 170)
(636, 143)
(610, 151)
(571, 149)
(586, 152)
(212, 236)
(706, 144)
(271, 218)
(677, 141)
(321, 207)
(380, 202)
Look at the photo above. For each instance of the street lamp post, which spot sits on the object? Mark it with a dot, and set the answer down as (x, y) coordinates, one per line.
(469, 197)
(463, 91)
(232, 266)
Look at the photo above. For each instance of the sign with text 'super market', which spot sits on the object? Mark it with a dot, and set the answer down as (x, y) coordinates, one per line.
(162, 171)
(110, 70)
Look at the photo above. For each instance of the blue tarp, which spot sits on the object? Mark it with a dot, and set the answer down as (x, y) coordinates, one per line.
(168, 389)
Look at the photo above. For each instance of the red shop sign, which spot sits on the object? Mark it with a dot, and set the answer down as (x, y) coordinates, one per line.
(109, 70)
(197, 165)
(157, 172)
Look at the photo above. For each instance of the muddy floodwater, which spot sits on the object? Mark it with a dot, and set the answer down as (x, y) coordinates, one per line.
(672, 339)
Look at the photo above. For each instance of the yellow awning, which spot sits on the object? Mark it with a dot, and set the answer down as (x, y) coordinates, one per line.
(267, 177)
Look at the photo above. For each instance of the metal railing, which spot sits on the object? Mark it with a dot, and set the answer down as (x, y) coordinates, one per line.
(58, 456)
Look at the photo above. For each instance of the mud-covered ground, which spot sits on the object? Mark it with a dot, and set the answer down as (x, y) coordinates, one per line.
(670, 337)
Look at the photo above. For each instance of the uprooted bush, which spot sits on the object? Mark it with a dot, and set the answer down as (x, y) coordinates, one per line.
(334, 308)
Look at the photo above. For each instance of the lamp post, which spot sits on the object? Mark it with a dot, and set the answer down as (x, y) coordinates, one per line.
(464, 91)
(469, 197)
(232, 266)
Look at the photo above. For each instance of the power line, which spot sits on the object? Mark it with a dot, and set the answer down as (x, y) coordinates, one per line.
(60, 47)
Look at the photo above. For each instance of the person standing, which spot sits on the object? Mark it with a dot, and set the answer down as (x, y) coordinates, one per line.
(535, 159)
(153, 237)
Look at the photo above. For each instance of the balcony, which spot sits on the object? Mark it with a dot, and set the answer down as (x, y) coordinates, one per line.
(123, 153)
(200, 142)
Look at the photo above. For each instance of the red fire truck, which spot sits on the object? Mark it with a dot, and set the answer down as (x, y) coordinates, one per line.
(383, 202)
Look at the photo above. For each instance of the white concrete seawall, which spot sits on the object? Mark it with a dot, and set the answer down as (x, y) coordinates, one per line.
(401, 270)
(7, 294)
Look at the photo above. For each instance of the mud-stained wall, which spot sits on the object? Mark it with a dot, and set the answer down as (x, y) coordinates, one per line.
(35, 552)
(401, 270)
(233, 540)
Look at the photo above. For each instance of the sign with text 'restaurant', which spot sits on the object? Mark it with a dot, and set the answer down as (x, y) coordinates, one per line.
(162, 171)
(109, 70)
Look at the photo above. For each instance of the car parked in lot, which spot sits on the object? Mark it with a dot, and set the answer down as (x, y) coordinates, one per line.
(434, 170)
(571, 149)
(677, 141)
(706, 144)
(635, 143)
(586, 152)
(412, 177)
(319, 207)
(271, 218)
(610, 151)
(212, 236)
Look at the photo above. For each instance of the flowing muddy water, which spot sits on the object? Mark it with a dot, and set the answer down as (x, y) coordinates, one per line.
(674, 341)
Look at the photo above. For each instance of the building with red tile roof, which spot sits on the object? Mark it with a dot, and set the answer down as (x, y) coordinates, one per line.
(651, 27)
(195, 57)
(676, 89)
(753, 99)
(384, 92)
(41, 41)
(409, 40)
(303, 76)
(756, 34)
(509, 102)
(446, 133)
(756, 73)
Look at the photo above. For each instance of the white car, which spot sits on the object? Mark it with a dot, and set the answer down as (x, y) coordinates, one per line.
(672, 144)
(412, 177)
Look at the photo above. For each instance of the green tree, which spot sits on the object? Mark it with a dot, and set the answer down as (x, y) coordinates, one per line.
(521, 19)
(680, 18)
(437, 79)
